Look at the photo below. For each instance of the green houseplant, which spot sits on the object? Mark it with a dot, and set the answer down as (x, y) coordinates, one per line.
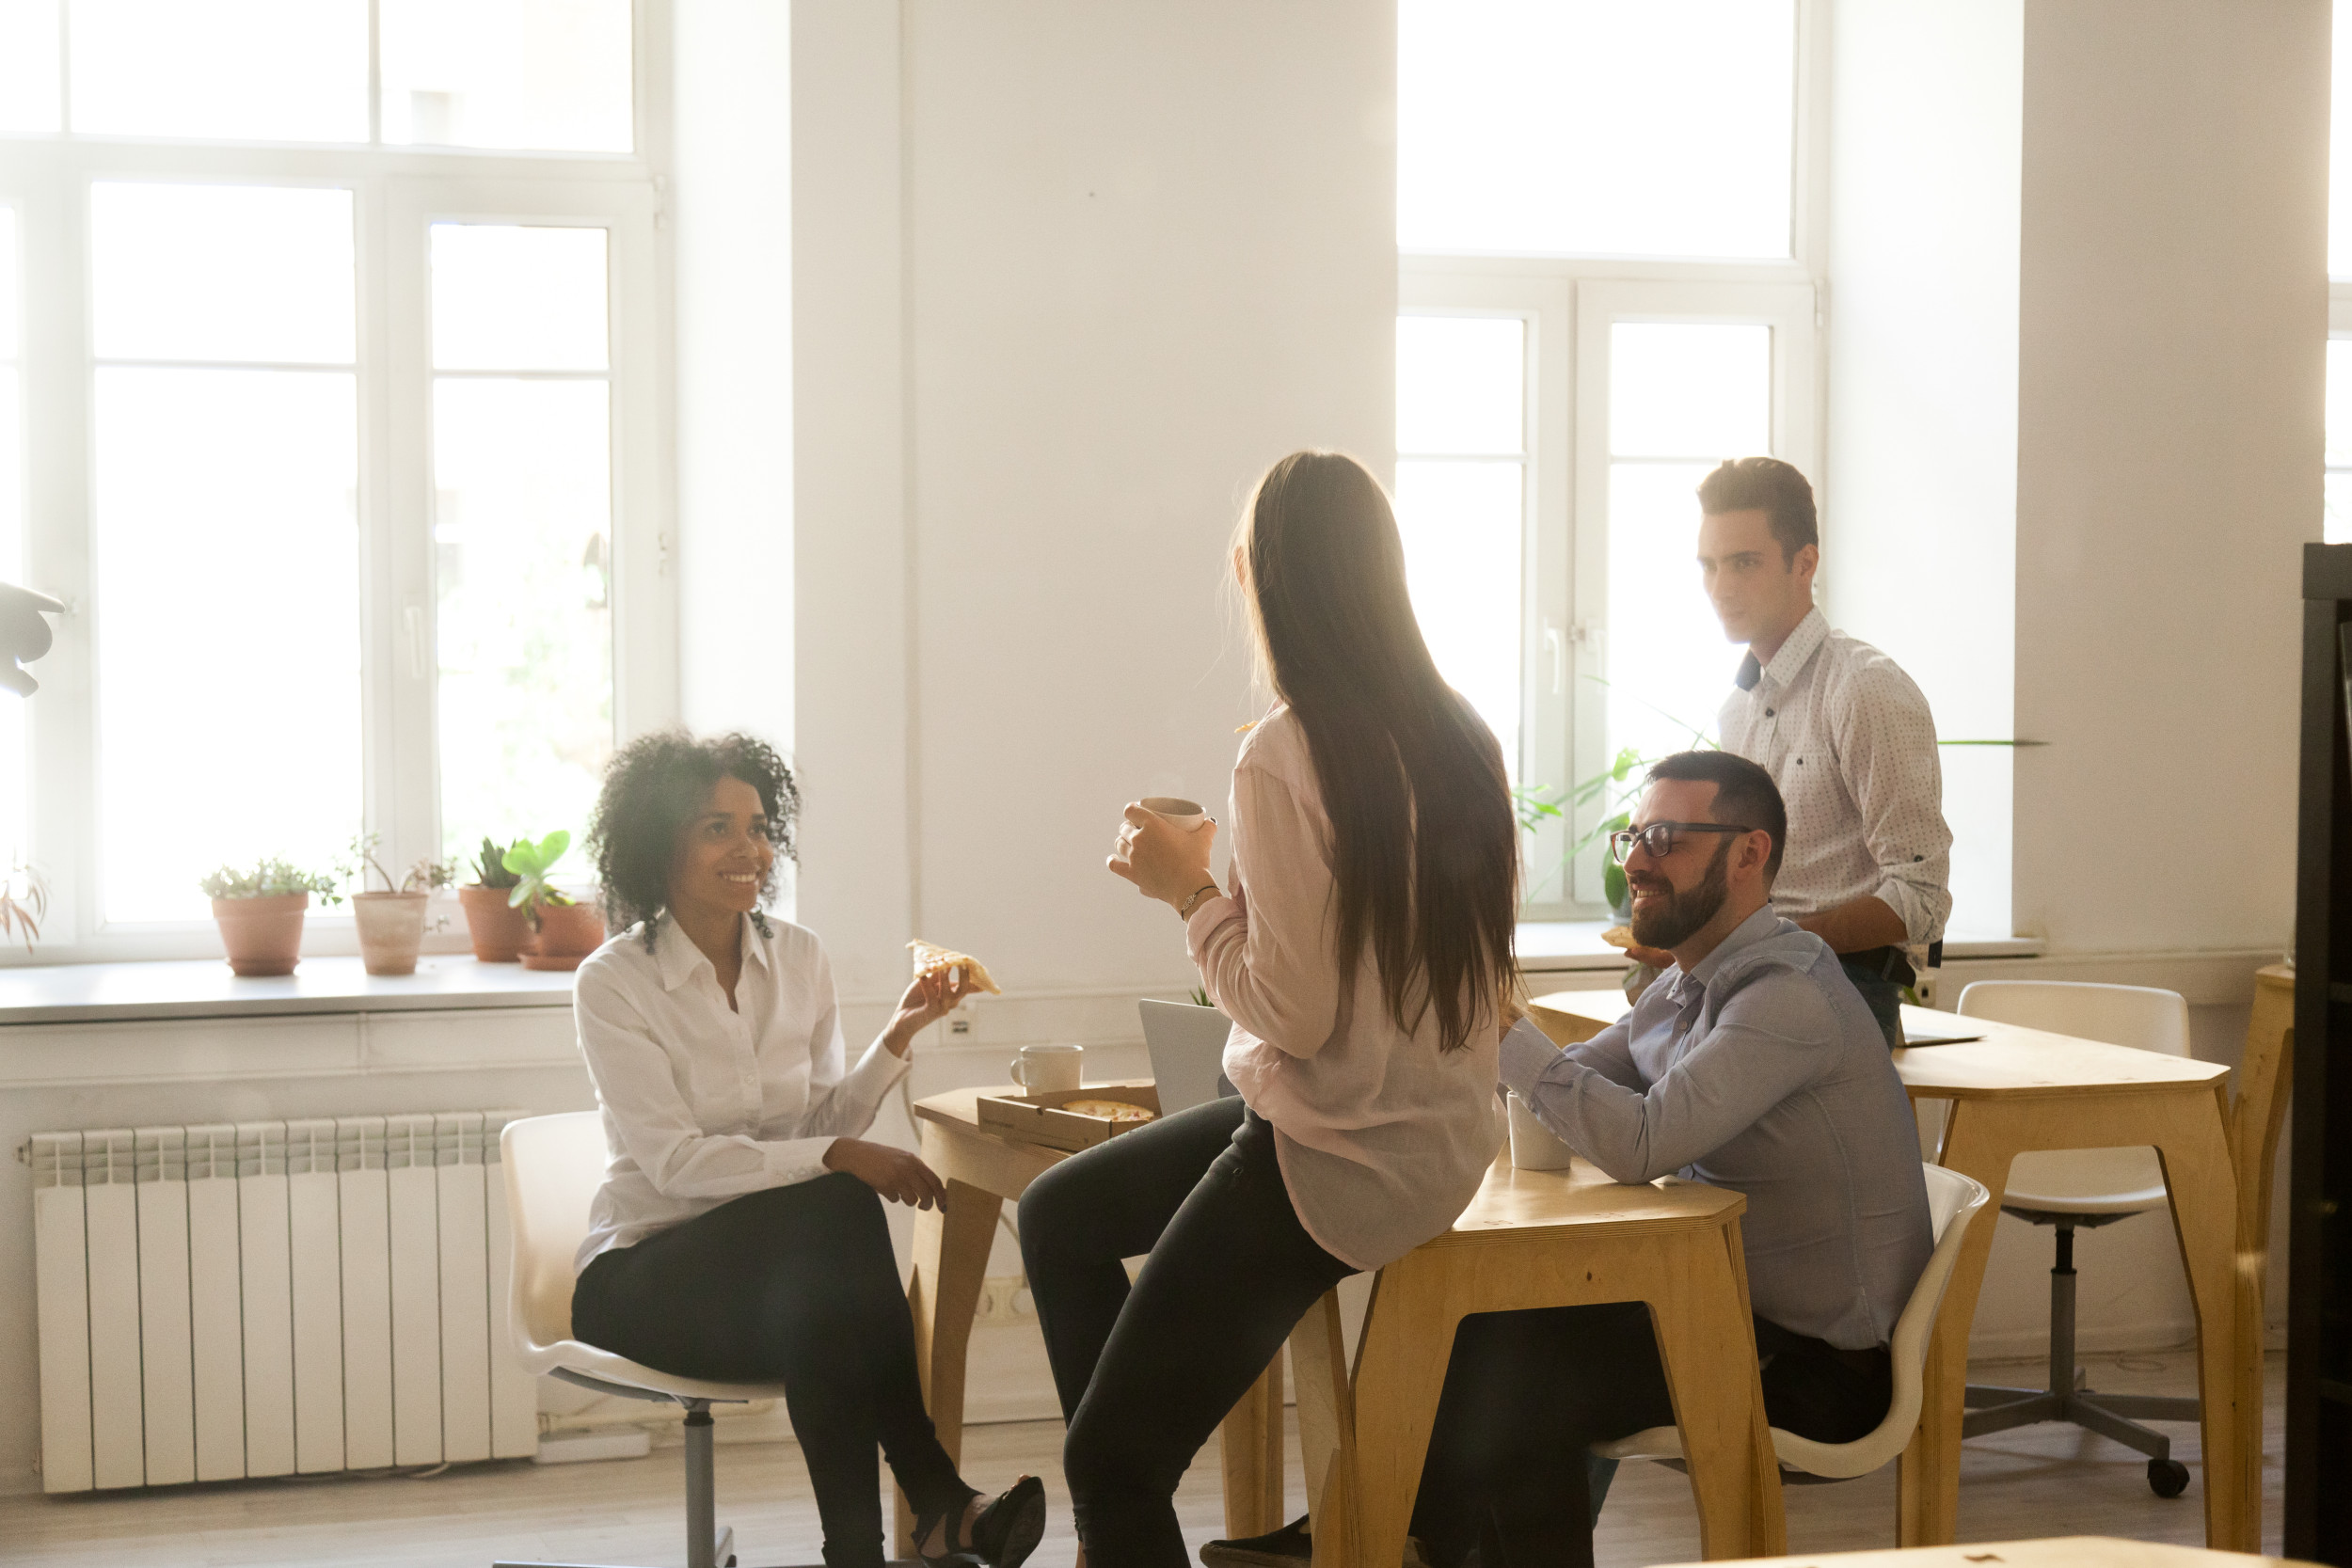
(391, 922)
(260, 912)
(495, 925)
(562, 930)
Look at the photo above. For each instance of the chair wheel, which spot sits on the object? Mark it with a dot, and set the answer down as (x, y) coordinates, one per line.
(2167, 1477)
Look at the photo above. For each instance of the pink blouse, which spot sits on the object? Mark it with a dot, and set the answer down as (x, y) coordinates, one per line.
(1383, 1138)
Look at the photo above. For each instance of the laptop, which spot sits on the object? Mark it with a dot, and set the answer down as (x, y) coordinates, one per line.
(1188, 1046)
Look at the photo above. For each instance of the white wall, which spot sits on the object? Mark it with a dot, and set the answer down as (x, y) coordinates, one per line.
(1921, 504)
(729, 213)
(1070, 275)
(2172, 318)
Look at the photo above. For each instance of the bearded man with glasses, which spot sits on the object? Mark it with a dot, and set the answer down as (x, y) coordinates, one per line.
(1751, 1062)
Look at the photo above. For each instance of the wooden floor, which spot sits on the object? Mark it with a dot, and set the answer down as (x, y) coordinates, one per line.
(2035, 1481)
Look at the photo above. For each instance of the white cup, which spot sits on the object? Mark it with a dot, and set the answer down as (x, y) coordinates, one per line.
(1179, 812)
(1534, 1145)
(1042, 1069)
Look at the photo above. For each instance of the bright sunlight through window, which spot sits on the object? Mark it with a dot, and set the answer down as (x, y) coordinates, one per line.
(1593, 127)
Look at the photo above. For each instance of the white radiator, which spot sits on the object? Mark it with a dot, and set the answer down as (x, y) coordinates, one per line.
(272, 1298)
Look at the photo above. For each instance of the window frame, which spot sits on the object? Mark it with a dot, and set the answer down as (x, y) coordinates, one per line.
(398, 192)
(1568, 302)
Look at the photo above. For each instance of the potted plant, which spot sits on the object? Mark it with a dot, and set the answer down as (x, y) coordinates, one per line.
(392, 922)
(23, 903)
(261, 911)
(496, 926)
(562, 930)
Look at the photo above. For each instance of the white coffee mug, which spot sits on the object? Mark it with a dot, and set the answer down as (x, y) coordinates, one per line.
(1178, 812)
(1534, 1145)
(1042, 1069)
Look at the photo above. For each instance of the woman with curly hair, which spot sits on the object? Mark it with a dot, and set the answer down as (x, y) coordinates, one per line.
(738, 1235)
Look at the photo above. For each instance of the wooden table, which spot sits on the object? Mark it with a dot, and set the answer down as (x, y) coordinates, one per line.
(2018, 1090)
(2075, 1551)
(1533, 1240)
(951, 1245)
(1530, 1238)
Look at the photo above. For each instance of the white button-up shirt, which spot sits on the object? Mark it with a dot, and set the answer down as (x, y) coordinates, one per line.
(1851, 742)
(702, 1102)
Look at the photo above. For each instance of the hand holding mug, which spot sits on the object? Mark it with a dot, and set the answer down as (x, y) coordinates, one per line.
(1164, 861)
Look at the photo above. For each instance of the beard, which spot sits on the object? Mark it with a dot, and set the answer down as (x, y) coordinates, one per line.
(1673, 920)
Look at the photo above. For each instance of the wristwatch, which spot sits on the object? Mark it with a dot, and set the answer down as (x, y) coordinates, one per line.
(1183, 910)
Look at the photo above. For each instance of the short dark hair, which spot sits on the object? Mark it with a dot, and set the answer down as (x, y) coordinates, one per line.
(653, 787)
(1744, 793)
(1767, 485)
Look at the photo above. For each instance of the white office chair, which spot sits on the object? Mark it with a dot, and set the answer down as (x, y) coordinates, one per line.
(2080, 1188)
(553, 1166)
(1954, 1200)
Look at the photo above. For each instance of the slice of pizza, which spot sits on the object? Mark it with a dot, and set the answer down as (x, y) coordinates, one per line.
(1110, 1110)
(930, 959)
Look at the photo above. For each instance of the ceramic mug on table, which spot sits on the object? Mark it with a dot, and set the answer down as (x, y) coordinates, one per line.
(1534, 1145)
(1042, 1069)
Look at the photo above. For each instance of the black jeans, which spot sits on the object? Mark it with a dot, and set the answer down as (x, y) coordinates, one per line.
(794, 1285)
(1146, 1373)
(1527, 1393)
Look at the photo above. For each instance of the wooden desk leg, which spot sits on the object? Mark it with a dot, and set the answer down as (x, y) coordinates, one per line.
(1699, 1307)
(1978, 1142)
(1250, 1443)
(951, 1246)
(1400, 1372)
(2194, 1146)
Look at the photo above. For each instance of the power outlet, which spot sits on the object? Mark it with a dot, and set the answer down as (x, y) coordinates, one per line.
(963, 1029)
(1001, 1303)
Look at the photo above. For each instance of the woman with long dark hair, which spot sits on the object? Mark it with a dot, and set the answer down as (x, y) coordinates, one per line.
(1361, 948)
(738, 1235)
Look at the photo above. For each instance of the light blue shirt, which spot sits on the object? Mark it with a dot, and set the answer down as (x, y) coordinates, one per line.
(1761, 1071)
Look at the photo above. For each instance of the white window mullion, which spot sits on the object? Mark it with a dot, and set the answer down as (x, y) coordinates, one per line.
(394, 521)
(59, 543)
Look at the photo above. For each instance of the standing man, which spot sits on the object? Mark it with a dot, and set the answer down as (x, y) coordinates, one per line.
(1842, 729)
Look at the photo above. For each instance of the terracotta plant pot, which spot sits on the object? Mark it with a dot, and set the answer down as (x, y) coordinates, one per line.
(264, 936)
(499, 929)
(567, 933)
(391, 928)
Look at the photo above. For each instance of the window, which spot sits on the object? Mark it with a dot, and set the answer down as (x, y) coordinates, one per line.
(1603, 295)
(330, 404)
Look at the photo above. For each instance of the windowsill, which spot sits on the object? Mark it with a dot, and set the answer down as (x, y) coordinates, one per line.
(190, 988)
(1566, 946)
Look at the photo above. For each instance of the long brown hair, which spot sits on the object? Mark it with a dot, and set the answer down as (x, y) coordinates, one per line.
(1424, 843)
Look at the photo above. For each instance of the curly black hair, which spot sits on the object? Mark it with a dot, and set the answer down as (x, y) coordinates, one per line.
(653, 787)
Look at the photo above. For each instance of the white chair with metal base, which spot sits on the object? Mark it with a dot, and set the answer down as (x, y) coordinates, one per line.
(2080, 1188)
(1953, 1201)
(553, 1166)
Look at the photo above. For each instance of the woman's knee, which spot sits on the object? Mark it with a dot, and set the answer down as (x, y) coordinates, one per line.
(1053, 1213)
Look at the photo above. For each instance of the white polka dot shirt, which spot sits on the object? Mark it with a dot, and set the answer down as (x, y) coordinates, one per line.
(1851, 742)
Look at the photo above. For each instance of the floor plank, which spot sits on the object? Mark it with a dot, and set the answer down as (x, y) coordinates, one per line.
(2034, 1481)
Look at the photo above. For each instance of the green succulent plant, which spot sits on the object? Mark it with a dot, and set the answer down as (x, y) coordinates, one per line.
(531, 864)
(489, 866)
(269, 878)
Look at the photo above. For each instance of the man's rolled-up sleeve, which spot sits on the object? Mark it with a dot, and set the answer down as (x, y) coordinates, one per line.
(1887, 754)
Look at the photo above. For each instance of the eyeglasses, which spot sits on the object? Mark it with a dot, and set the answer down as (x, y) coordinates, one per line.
(1658, 837)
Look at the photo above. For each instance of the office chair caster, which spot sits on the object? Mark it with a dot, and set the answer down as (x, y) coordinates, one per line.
(2167, 1477)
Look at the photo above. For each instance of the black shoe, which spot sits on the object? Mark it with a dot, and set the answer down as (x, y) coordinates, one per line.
(1010, 1527)
(1289, 1547)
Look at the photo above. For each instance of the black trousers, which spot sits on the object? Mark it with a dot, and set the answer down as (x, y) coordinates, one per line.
(794, 1285)
(1146, 1373)
(1527, 1393)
